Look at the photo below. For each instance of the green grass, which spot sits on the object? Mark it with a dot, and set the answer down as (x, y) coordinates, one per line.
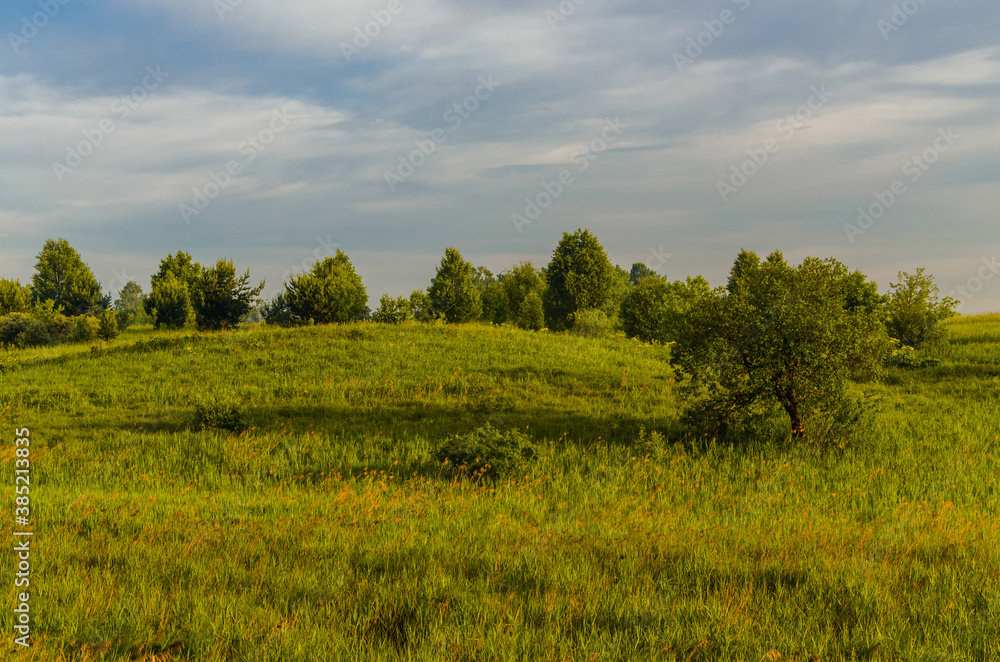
(321, 529)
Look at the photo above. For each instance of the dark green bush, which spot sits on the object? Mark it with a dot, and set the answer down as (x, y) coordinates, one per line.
(22, 330)
(486, 453)
(220, 411)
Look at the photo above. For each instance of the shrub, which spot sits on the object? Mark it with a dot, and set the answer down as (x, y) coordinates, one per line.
(593, 323)
(84, 328)
(392, 310)
(904, 356)
(915, 311)
(107, 329)
(486, 453)
(220, 411)
(22, 330)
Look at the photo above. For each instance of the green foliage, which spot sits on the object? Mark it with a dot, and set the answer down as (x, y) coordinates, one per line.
(392, 310)
(640, 271)
(579, 277)
(84, 328)
(14, 297)
(420, 306)
(276, 311)
(593, 323)
(220, 411)
(783, 337)
(531, 313)
(655, 310)
(482, 278)
(22, 330)
(486, 453)
(496, 309)
(130, 308)
(904, 356)
(61, 275)
(220, 299)
(107, 329)
(453, 290)
(183, 267)
(524, 289)
(331, 292)
(620, 288)
(915, 311)
(169, 304)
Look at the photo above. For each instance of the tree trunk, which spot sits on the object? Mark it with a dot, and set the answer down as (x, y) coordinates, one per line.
(791, 406)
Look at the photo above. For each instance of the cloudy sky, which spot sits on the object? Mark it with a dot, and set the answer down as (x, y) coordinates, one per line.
(273, 133)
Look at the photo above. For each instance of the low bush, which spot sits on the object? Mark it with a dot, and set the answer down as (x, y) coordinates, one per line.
(220, 411)
(486, 453)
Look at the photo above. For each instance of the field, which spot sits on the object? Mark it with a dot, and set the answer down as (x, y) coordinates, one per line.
(326, 531)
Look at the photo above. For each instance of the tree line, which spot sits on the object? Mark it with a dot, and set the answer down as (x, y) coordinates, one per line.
(776, 337)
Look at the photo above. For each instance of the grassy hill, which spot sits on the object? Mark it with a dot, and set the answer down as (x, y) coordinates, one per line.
(321, 528)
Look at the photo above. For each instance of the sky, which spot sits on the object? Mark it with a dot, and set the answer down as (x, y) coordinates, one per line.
(273, 133)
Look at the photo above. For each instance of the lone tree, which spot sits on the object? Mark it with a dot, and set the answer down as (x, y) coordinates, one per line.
(330, 292)
(779, 336)
(914, 311)
(580, 277)
(62, 276)
(453, 290)
(221, 299)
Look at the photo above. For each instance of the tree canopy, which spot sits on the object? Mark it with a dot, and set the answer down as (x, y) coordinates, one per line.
(579, 277)
(62, 276)
(779, 336)
(221, 299)
(453, 290)
(330, 292)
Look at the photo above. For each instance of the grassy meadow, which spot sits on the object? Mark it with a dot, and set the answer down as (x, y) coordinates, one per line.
(324, 530)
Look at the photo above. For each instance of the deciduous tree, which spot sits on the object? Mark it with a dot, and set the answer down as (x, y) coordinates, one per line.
(579, 277)
(779, 336)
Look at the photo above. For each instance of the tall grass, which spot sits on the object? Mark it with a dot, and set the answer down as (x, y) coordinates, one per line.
(321, 528)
